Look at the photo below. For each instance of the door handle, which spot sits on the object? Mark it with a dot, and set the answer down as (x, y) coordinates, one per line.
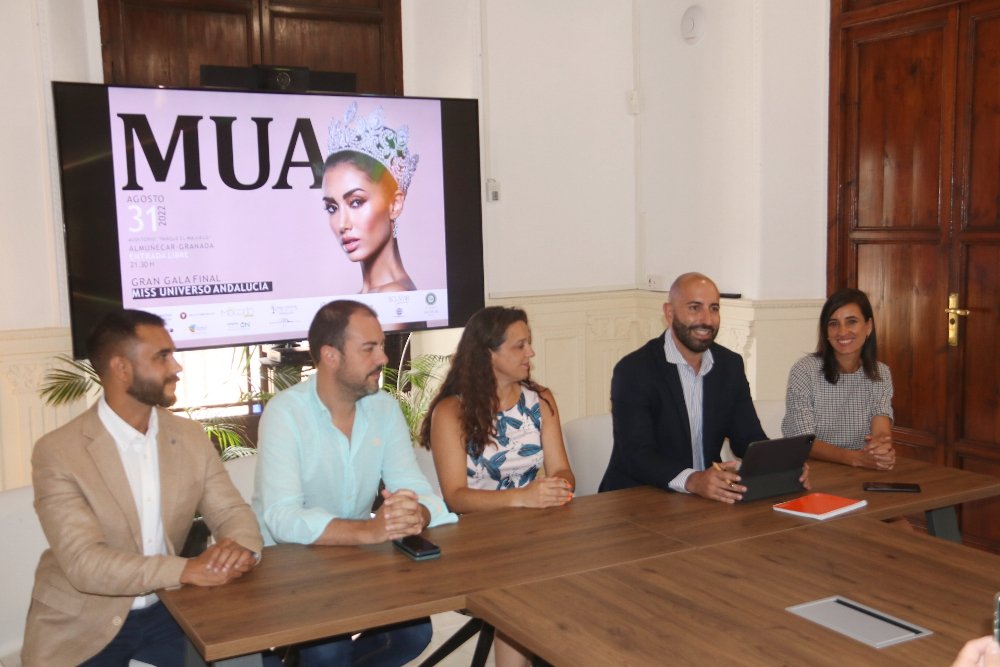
(953, 312)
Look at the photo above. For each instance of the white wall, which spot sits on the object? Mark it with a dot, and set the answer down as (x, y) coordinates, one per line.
(44, 40)
(730, 168)
(441, 48)
(41, 40)
(732, 159)
(733, 148)
(697, 150)
(794, 124)
(551, 78)
(561, 145)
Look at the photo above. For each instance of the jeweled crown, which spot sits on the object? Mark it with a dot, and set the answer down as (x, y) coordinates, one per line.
(372, 138)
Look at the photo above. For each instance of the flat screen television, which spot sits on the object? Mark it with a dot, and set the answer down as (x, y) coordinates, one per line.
(236, 215)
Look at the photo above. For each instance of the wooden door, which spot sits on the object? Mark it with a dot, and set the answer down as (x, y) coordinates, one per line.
(362, 37)
(165, 42)
(896, 175)
(974, 433)
(914, 206)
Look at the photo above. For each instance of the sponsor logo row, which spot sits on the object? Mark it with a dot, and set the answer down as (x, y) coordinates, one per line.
(293, 315)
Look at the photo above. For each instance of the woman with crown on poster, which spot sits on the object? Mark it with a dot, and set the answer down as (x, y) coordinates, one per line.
(367, 172)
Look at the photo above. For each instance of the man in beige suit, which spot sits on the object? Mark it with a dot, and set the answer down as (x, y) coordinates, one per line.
(116, 490)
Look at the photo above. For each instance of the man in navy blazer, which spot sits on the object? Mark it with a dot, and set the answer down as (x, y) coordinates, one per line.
(677, 398)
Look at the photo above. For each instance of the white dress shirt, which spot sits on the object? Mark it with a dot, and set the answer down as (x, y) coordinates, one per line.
(140, 458)
(694, 393)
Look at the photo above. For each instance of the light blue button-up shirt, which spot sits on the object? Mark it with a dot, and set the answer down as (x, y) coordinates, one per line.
(309, 473)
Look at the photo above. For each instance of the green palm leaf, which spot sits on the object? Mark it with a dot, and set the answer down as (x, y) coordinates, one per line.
(421, 374)
(425, 369)
(62, 386)
(231, 453)
(284, 377)
(227, 435)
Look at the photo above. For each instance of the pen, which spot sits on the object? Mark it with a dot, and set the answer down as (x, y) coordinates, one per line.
(721, 469)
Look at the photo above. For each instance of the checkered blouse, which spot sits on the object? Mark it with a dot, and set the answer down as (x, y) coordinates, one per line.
(840, 414)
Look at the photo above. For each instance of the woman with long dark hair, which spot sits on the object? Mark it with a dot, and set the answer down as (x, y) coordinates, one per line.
(841, 392)
(491, 430)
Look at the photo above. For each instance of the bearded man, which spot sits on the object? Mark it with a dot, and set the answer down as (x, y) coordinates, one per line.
(116, 490)
(324, 445)
(675, 400)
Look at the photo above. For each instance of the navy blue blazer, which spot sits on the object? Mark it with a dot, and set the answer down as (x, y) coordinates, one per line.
(651, 428)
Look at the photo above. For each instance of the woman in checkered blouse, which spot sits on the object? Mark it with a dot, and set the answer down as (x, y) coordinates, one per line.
(841, 392)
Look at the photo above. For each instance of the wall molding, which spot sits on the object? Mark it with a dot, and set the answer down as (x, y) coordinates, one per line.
(578, 339)
(25, 356)
(583, 292)
(580, 336)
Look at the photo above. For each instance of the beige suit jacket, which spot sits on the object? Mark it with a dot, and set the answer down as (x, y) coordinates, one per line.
(86, 581)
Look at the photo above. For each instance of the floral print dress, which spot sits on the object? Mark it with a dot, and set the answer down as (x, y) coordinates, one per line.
(514, 457)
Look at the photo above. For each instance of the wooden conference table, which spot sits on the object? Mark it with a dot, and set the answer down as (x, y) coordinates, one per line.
(489, 559)
(726, 604)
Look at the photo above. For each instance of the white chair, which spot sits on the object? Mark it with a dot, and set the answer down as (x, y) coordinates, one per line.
(242, 470)
(589, 441)
(588, 446)
(21, 545)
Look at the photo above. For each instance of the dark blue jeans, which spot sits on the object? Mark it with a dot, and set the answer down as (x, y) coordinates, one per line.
(153, 636)
(391, 646)
(150, 635)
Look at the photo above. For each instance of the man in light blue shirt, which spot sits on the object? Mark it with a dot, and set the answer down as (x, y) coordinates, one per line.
(323, 447)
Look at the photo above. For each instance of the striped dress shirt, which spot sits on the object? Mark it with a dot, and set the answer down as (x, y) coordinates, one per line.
(693, 385)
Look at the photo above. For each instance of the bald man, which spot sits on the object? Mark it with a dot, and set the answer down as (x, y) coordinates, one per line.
(677, 398)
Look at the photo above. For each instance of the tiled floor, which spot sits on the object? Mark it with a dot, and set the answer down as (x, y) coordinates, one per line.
(445, 625)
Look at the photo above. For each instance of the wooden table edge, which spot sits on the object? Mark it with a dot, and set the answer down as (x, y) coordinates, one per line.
(164, 596)
(231, 649)
(225, 650)
(936, 503)
(880, 514)
(477, 605)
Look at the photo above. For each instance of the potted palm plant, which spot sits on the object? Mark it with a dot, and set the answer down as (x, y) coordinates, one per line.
(75, 379)
(413, 385)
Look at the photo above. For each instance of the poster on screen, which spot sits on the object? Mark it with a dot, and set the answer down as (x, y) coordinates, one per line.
(222, 226)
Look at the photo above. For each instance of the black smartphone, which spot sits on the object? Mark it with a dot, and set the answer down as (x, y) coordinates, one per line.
(417, 547)
(891, 486)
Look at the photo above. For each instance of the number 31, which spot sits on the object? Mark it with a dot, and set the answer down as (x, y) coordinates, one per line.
(151, 212)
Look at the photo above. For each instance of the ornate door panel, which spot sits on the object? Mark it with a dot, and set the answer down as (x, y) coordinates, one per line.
(974, 436)
(895, 175)
(165, 42)
(915, 217)
(362, 39)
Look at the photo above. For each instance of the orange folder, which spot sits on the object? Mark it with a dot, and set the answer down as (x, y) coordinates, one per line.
(819, 506)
